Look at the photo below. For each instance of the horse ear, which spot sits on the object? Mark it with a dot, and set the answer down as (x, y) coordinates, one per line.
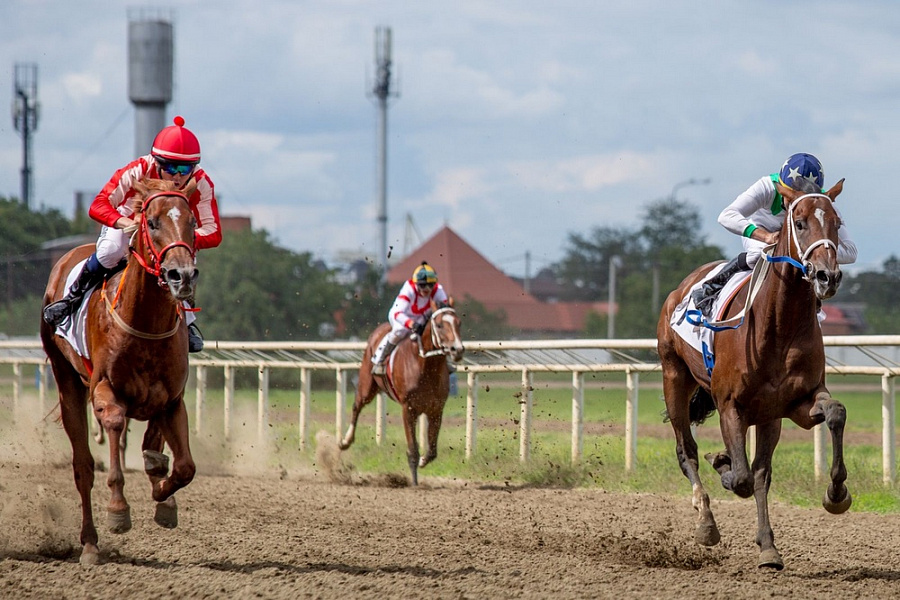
(835, 190)
(450, 301)
(789, 194)
(189, 188)
(142, 190)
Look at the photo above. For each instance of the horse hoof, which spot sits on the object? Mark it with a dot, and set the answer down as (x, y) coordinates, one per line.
(166, 515)
(841, 505)
(119, 522)
(156, 464)
(707, 534)
(90, 556)
(770, 559)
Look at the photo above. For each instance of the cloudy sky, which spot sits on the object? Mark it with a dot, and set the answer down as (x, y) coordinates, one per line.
(517, 122)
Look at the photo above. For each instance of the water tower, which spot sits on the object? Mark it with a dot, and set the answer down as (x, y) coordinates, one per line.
(150, 66)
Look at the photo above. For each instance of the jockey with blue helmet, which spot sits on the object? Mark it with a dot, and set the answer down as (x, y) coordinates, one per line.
(757, 216)
(411, 310)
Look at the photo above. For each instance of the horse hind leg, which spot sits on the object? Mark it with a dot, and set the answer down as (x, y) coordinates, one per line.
(678, 390)
(72, 397)
(434, 429)
(366, 390)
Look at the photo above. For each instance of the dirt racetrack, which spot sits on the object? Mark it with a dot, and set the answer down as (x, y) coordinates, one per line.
(324, 533)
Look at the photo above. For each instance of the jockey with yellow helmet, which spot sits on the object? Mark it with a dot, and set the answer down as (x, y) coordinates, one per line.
(410, 310)
(757, 216)
(174, 156)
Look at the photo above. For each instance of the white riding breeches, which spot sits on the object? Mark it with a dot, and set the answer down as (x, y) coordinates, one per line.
(112, 246)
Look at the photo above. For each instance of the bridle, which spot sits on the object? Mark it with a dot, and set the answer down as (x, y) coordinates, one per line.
(438, 348)
(803, 255)
(153, 265)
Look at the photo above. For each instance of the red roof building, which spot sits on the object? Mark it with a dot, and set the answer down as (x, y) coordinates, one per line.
(463, 271)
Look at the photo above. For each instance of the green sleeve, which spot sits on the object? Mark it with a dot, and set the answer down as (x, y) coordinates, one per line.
(749, 230)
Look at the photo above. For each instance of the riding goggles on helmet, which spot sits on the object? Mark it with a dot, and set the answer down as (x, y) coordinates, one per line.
(176, 168)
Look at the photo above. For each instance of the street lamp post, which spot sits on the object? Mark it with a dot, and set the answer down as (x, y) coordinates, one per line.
(686, 183)
(615, 262)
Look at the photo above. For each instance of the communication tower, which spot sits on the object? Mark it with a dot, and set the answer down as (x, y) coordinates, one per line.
(25, 118)
(381, 90)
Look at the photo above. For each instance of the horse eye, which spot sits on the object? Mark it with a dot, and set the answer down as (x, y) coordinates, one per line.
(798, 224)
(153, 223)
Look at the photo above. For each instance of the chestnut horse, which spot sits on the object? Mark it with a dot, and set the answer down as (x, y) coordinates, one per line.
(769, 368)
(137, 341)
(417, 377)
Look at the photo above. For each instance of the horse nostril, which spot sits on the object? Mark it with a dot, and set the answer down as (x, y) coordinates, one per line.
(822, 276)
(194, 275)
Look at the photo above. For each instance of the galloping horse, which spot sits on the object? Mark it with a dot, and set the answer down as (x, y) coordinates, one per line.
(771, 367)
(417, 377)
(138, 367)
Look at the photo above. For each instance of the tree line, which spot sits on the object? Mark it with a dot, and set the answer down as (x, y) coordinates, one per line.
(252, 289)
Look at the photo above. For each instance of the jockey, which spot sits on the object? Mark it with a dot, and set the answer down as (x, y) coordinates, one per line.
(174, 156)
(757, 215)
(410, 310)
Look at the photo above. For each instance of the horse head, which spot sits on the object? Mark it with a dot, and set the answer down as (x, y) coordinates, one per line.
(165, 240)
(445, 331)
(810, 236)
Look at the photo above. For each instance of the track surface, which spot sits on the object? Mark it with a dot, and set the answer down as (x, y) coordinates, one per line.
(327, 534)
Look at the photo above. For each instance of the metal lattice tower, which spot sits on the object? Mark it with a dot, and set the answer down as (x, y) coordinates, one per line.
(150, 65)
(25, 118)
(381, 90)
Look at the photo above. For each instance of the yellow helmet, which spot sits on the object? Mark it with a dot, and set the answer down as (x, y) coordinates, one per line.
(424, 273)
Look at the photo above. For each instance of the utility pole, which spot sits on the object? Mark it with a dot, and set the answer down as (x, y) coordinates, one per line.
(25, 118)
(381, 90)
(615, 262)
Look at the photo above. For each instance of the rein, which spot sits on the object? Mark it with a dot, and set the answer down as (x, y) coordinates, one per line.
(762, 268)
(111, 309)
(439, 349)
(153, 266)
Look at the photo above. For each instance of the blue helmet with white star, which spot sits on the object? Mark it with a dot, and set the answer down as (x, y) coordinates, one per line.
(802, 172)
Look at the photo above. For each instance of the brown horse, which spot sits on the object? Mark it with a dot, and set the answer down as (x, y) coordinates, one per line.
(417, 377)
(137, 341)
(771, 367)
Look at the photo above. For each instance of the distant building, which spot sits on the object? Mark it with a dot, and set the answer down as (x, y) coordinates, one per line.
(463, 271)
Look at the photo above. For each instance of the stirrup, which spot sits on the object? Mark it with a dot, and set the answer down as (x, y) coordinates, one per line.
(56, 313)
(378, 369)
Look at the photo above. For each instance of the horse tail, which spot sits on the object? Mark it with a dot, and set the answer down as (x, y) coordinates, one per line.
(701, 405)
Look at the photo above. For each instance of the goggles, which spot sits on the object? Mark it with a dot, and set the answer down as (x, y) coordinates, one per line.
(425, 286)
(175, 168)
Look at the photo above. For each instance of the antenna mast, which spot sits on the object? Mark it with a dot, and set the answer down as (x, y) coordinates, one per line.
(382, 91)
(25, 118)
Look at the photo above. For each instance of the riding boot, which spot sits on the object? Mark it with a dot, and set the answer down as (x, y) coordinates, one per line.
(195, 338)
(381, 353)
(91, 274)
(705, 296)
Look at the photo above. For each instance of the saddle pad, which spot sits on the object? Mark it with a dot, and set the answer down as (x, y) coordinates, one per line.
(74, 329)
(697, 335)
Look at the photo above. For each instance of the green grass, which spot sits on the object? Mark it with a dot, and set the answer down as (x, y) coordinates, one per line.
(496, 461)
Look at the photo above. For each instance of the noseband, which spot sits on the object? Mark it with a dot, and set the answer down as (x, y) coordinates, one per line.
(153, 266)
(438, 347)
(793, 238)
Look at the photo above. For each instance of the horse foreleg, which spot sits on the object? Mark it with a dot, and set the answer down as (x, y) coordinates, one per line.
(173, 427)
(434, 428)
(767, 436)
(828, 410)
(72, 398)
(412, 445)
(738, 478)
(111, 415)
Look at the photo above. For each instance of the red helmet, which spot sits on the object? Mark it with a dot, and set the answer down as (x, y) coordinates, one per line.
(176, 143)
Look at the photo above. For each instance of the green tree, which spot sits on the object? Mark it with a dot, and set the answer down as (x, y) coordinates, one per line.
(880, 291)
(655, 258)
(252, 289)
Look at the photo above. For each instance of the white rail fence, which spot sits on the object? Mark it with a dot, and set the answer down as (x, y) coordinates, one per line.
(875, 356)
